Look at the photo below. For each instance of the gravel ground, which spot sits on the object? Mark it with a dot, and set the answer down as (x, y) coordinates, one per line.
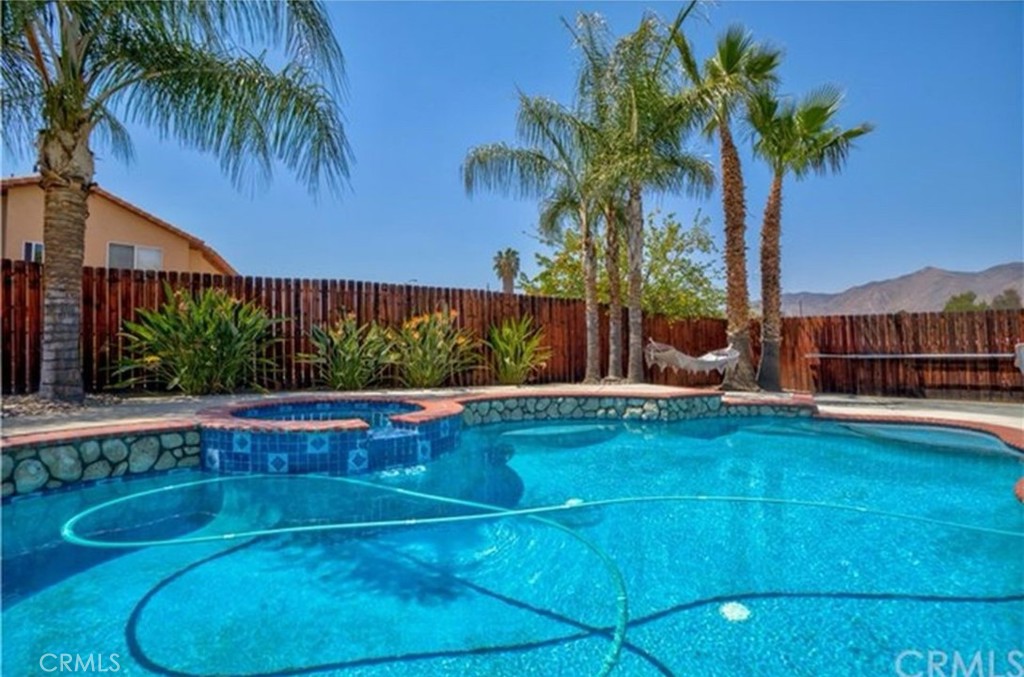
(14, 406)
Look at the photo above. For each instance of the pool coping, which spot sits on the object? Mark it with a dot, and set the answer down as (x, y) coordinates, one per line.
(434, 408)
(226, 417)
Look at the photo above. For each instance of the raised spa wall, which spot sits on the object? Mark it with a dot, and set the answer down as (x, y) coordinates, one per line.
(48, 461)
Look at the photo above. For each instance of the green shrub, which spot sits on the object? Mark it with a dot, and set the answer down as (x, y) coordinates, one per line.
(430, 350)
(349, 356)
(517, 350)
(211, 343)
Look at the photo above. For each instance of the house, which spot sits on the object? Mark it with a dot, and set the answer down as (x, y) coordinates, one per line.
(117, 234)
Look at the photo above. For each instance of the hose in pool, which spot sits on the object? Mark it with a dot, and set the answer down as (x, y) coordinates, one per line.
(489, 512)
(619, 582)
(68, 530)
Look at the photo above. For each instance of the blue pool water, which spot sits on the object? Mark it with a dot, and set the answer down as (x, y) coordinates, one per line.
(717, 547)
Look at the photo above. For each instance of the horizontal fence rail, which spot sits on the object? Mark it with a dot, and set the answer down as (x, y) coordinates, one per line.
(934, 344)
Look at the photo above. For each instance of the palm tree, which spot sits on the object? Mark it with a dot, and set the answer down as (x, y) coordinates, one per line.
(642, 130)
(795, 138)
(594, 100)
(506, 267)
(738, 68)
(73, 72)
(554, 165)
(613, 226)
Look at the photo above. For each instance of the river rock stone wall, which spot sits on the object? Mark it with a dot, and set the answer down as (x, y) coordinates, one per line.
(477, 412)
(35, 467)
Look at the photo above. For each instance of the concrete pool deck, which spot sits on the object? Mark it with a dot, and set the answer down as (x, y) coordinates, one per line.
(140, 410)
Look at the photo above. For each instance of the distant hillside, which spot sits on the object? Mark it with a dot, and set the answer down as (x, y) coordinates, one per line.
(926, 290)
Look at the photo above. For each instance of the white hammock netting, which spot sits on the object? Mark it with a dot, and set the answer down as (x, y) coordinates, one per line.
(667, 357)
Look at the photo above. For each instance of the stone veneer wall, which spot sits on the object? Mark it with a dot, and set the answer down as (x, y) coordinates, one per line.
(625, 408)
(49, 465)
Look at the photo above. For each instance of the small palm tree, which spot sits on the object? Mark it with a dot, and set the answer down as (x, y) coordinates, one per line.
(554, 164)
(738, 68)
(506, 267)
(796, 138)
(74, 71)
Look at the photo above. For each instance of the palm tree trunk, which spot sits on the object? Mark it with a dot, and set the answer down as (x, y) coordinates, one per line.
(593, 358)
(741, 377)
(612, 254)
(66, 165)
(634, 294)
(508, 284)
(768, 373)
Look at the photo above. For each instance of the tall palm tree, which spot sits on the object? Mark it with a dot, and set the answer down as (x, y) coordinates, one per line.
(594, 99)
(506, 267)
(796, 138)
(73, 72)
(738, 68)
(642, 132)
(553, 164)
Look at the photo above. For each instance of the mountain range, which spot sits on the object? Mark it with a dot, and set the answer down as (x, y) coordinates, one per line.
(925, 290)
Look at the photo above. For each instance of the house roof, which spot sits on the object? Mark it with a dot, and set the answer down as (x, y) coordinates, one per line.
(208, 252)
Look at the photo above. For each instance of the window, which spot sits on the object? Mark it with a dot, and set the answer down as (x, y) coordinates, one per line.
(134, 256)
(34, 252)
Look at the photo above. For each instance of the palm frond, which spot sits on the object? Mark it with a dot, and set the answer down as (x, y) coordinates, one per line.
(521, 172)
(233, 106)
(184, 68)
(559, 207)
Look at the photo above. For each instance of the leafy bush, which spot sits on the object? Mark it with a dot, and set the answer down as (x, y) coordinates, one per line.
(518, 351)
(211, 343)
(430, 349)
(349, 356)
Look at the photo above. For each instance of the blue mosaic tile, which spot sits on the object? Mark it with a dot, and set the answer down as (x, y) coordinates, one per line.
(242, 442)
(277, 463)
(211, 459)
(317, 443)
(358, 461)
(423, 451)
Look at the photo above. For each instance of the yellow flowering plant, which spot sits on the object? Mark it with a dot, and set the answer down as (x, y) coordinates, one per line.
(350, 356)
(431, 350)
(207, 343)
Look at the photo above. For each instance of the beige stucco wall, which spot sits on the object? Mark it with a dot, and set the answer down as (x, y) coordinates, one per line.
(108, 222)
(197, 263)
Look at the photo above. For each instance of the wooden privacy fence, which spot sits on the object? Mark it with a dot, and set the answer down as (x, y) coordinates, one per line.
(111, 296)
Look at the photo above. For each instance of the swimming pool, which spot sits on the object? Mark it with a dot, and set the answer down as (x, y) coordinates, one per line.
(765, 546)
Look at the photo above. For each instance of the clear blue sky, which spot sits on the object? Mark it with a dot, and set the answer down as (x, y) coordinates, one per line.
(938, 183)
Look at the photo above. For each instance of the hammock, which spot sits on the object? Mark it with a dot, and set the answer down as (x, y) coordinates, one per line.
(667, 357)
